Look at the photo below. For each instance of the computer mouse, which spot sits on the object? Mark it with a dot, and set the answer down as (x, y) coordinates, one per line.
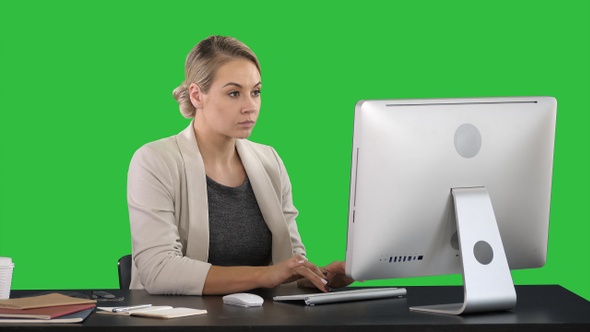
(243, 300)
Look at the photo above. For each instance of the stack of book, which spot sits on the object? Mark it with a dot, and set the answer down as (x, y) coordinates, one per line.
(49, 308)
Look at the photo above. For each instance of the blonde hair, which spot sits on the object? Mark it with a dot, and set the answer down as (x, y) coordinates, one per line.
(202, 63)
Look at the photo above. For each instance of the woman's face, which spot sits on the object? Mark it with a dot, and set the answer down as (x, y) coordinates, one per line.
(230, 108)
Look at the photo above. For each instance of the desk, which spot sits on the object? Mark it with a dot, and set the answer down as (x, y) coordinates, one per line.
(539, 308)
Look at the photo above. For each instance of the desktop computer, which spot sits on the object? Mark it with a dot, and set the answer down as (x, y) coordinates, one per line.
(451, 186)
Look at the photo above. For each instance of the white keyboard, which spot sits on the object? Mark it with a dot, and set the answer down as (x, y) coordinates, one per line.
(344, 295)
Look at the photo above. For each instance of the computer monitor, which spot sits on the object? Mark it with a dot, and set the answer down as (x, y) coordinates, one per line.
(451, 186)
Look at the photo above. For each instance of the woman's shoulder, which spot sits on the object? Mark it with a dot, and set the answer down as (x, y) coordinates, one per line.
(161, 145)
(257, 147)
(265, 154)
(261, 150)
(170, 146)
(164, 149)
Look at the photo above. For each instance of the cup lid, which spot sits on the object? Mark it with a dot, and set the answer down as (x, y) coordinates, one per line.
(4, 261)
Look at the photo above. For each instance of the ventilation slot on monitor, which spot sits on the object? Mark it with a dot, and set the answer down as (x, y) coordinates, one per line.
(401, 258)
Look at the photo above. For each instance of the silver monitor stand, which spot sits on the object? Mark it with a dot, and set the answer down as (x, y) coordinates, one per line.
(487, 281)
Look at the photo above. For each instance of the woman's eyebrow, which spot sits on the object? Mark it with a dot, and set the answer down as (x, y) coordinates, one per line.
(239, 85)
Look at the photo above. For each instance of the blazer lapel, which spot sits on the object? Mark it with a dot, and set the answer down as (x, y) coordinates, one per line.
(268, 201)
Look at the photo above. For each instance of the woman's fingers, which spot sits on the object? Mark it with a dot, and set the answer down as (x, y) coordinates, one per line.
(313, 274)
(298, 267)
(303, 268)
(336, 275)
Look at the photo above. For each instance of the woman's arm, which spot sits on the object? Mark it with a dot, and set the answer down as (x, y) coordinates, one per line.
(224, 280)
(153, 190)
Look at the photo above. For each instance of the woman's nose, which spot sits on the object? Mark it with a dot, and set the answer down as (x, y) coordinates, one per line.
(250, 106)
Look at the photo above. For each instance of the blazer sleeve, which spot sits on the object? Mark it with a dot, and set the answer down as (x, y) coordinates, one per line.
(289, 210)
(153, 191)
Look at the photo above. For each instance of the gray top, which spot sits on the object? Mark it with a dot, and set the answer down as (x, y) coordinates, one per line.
(238, 234)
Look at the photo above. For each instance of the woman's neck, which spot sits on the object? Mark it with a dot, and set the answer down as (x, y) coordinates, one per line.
(222, 162)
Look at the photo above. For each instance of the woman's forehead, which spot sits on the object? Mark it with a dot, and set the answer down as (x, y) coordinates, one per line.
(239, 72)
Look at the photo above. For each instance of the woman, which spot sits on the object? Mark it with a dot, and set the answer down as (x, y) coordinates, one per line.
(211, 212)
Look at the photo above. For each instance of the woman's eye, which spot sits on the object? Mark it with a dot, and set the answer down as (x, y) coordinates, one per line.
(256, 93)
(234, 94)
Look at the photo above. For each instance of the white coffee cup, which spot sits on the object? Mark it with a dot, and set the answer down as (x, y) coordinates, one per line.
(6, 267)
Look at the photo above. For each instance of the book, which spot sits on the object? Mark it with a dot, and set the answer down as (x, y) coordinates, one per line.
(41, 301)
(76, 317)
(45, 312)
(162, 312)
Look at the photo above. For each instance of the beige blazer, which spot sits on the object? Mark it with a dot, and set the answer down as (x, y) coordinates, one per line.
(168, 211)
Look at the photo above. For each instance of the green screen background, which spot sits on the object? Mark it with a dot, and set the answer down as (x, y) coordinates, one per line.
(83, 84)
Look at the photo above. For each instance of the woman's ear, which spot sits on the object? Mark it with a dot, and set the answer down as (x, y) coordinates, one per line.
(196, 95)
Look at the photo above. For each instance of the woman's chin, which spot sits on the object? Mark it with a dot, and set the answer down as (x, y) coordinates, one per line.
(244, 134)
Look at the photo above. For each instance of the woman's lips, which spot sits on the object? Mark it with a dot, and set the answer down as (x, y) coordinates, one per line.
(248, 123)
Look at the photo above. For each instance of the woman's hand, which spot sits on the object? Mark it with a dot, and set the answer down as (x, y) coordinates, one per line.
(336, 275)
(292, 269)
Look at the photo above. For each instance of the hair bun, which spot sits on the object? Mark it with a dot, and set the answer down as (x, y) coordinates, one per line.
(181, 94)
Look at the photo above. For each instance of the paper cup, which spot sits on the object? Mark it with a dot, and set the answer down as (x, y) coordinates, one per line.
(6, 267)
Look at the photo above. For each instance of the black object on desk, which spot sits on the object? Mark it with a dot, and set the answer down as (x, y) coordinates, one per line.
(539, 308)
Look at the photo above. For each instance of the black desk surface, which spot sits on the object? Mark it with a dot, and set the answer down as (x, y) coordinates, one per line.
(539, 308)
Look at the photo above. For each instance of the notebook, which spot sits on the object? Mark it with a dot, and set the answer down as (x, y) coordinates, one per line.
(76, 317)
(346, 295)
(162, 312)
(45, 312)
(42, 301)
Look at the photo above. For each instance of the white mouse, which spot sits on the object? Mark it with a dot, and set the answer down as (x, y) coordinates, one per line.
(243, 300)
